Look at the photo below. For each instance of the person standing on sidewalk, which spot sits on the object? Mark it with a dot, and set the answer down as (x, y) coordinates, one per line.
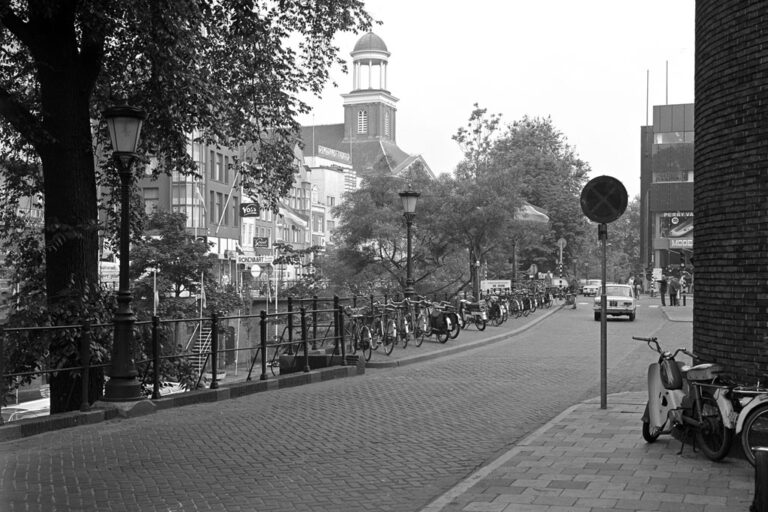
(663, 289)
(674, 289)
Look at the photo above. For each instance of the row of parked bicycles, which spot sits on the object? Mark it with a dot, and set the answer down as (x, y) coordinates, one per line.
(386, 325)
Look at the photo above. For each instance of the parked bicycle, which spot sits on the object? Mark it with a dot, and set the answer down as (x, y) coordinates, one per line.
(358, 333)
(399, 325)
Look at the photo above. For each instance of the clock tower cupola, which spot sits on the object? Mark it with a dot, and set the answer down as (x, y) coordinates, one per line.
(369, 109)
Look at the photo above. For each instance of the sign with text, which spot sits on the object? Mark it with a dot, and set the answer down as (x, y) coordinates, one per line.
(250, 210)
(261, 241)
(495, 285)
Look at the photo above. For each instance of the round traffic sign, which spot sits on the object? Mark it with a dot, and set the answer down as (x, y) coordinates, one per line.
(255, 271)
(562, 243)
(604, 199)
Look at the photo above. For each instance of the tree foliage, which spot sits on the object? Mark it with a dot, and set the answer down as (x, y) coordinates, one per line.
(226, 71)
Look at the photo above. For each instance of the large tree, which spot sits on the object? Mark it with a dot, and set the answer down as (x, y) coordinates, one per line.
(227, 71)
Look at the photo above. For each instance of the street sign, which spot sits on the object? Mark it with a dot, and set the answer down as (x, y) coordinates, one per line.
(255, 271)
(604, 199)
(561, 243)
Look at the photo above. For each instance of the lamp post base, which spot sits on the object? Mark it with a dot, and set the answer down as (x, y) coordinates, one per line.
(128, 409)
(122, 390)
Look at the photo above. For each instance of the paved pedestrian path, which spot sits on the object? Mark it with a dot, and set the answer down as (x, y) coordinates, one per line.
(589, 459)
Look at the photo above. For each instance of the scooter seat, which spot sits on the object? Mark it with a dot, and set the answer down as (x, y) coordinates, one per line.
(704, 371)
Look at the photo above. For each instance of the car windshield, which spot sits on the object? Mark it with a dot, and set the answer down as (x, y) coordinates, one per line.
(593, 282)
(618, 291)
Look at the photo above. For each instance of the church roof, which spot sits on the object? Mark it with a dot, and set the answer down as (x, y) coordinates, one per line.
(373, 156)
(370, 42)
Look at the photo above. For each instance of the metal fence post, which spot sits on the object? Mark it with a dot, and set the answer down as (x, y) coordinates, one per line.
(85, 360)
(314, 322)
(2, 366)
(214, 349)
(290, 326)
(341, 335)
(335, 325)
(303, 313)
(155, 357)
(263, 334)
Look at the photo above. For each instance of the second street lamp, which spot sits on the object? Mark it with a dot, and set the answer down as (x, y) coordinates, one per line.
(409, 198)
(124, 124)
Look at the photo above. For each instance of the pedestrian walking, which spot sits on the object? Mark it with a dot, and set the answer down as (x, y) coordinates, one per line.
(663, 289)
(674, 290)
(636, 286)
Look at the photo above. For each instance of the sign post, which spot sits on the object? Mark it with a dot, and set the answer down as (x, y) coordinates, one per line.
(603, 200)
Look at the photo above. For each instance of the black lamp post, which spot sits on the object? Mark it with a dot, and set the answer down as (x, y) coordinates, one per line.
(124, 124)
(409, 198)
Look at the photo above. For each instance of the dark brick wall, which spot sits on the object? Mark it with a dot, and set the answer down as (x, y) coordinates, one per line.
(730, 314)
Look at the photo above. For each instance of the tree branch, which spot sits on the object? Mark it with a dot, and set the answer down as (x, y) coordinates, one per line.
(21, 119)
(14, 24)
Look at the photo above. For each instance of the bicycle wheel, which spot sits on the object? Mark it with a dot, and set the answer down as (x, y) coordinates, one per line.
(455, 326)
(407, 329)
(444, 333)
(480, 324)
(422, 328)
(755, 432)
(714, 438)
(365, 341)
(389, 337)
(274, 363)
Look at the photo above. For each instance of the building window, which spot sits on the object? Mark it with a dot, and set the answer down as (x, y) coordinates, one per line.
(212, 207)
(212, 164)
(235, 212)
(362, 121)
(386, 124)
(151, 200)
(331, 201)
(331, 225)
(219, 167)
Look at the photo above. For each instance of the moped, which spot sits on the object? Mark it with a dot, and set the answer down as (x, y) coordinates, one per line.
(688, 398)
(472, 313)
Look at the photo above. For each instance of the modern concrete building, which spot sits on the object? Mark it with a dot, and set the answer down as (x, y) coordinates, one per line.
(666, 188)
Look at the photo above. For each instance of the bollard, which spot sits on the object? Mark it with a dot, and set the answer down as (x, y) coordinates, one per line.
(683, 299)
(760, 503)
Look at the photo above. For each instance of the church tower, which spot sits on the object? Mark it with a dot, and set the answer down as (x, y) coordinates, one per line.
(369, 109)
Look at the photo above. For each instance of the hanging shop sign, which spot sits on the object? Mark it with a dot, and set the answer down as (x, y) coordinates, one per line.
(250, 210)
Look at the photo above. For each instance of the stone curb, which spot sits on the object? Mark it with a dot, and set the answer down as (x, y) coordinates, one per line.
(461, 348)
(103, 411)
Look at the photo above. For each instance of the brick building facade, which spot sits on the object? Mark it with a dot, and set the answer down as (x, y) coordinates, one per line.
(731, 186)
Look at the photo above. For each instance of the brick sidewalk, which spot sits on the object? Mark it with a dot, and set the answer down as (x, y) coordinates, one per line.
(589, 459)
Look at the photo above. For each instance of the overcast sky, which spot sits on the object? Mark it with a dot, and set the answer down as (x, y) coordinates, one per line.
(583, 63)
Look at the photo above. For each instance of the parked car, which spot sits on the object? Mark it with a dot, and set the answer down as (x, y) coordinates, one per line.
(591, 287)
(620, 301)
(29, 409)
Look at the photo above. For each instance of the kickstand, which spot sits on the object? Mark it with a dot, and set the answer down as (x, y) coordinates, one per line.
(685, 434)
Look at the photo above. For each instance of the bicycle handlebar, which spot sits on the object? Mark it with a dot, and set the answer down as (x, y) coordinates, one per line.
(657, 348)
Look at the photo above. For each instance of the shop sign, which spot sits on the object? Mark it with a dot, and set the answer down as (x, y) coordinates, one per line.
(681, 243)
(676, 225)
(257, 259)
(495, 285)
(250, 210)
(261, 241)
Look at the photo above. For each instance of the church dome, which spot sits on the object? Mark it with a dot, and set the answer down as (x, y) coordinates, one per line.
(370, 43)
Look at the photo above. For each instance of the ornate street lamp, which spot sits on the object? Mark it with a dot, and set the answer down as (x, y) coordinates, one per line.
(124, 124)
(409, 198)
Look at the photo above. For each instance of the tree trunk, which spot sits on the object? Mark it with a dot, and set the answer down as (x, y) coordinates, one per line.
(71, 234)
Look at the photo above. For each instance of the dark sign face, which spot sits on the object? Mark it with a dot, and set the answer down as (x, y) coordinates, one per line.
(604, 199)
(261, 241)
(250, 210)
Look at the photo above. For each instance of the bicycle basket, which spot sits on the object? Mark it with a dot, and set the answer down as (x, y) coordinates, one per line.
(670, 374)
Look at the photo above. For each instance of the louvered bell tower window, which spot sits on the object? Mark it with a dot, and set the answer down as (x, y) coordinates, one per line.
(362, 121)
